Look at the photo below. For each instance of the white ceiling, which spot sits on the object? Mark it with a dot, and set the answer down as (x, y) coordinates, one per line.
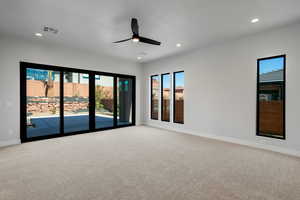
(94, 24)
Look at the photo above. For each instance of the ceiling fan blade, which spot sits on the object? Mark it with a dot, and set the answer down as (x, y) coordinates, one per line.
(122, 40)
(134, 26)
(149, 41)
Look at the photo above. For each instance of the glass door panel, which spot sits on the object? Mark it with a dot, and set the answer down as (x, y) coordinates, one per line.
(42, 102)
(59, 100)
(124, 101)
(104, 101)
(76, 102)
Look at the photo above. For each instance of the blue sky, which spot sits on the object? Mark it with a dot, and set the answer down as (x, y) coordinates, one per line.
(269, 65)
(167, 80)
(179, 77)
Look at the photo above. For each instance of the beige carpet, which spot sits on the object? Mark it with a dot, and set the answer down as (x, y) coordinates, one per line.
(141, 163)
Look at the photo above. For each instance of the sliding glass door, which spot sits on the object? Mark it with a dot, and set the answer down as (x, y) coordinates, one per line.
(104, 101)
(125, 101)
(42, 102)
(58, 101)
(76, 102)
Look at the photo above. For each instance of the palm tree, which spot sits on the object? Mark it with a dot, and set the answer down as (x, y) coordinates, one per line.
(48, 83)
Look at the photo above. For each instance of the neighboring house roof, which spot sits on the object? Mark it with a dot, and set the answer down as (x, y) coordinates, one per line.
(271, 76)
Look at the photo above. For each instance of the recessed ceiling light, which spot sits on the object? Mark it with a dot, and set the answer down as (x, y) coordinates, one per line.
(38, 34)
(139, 57)
(178, 45)
(254, 20)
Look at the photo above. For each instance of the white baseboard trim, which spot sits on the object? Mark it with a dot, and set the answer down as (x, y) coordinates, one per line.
(268, 147)
(9, 143)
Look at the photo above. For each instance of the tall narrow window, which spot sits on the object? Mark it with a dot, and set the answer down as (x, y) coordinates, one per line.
(165, 96)
(271, 97)
(178, 98)
(154, 96)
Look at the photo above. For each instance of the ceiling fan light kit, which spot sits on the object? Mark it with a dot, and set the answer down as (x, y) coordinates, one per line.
(135, 38)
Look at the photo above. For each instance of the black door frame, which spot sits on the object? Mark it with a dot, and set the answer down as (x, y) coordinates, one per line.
(92, 127)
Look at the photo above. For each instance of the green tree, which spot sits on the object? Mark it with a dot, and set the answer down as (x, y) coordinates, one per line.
(99, 95)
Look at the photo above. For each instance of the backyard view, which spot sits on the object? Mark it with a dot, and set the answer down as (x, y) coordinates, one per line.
(43, 102)
(154, 96)
(76, 102)
(179, 97)
(104, 101)
(271, 97)
(166, 95)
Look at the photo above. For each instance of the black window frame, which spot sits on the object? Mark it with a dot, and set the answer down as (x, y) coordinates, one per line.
(92, 127)
(283, 97)
(151, 95)
(174, 94)
(162, 97)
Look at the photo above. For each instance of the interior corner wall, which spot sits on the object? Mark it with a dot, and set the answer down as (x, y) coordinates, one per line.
(13, 50)
(220, 88)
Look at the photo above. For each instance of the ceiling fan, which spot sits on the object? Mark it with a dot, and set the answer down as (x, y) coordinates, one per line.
(135, 35)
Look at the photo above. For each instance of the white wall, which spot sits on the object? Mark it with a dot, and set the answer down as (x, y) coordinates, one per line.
(13, 50)
(220, 88)
(220, 84)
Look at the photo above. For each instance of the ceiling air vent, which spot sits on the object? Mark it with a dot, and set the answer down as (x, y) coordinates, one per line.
(50, 30)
